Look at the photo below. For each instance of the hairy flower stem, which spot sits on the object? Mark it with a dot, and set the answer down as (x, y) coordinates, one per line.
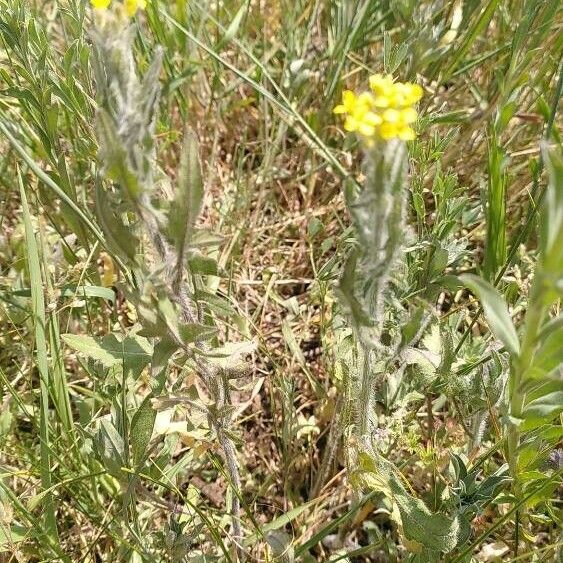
(228, 448)
(214, 378)
(127, 144)
(365, 398)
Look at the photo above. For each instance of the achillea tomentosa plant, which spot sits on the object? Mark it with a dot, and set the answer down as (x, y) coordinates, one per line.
(158, 243)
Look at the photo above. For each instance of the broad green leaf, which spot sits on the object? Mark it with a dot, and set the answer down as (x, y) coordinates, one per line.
(496, 311)
(347, 295)
(545, 407)
(292, 344)
(142, 426)
(424, 361)
(215, 302)
(204, 265)
(41, 356)
(548, 435)
(191, 333)
(230, 357)
(14, 534)
(433, 531)
(287, 517)
(163, 351)
(157, 313)
(280, 521)
(549, 357)
(536, 390)
(73, 290)
(486, 489)
(436, 532)
(494, 205)
(544, 493)
(150, 90)
(188, 199)
(550, 327)
(411, 327)
(531, 423)
(426, 556)
(89, 291)
(231, 351)
(133, 351)
(109, 446)
(204, 238)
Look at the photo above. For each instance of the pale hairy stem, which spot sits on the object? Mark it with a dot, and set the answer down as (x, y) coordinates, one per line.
(213, 376)
(133, 111)
(365, 398)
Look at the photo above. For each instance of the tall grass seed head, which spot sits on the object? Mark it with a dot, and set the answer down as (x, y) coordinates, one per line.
(385, 112)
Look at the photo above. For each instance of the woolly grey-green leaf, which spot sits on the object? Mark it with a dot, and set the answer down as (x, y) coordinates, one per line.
(134, 351)
(188, 198)
(496, 311)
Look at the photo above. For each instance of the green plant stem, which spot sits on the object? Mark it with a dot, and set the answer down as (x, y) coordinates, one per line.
(42, 363)
(534, 318)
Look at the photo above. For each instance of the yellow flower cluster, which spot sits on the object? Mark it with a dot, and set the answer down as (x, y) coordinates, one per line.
(130, 6)
(386, 112)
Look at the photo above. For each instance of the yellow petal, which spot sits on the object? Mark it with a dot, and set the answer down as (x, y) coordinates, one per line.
(366, 130)
(406, 134)
(365, 99)
(391, 116)
(408, 115)
(414, 93)
(351, 124)
(348, 100)
(373, 118)
(388, 131)
(381, 102)
(339, 109)
(100, 4)
(381, 84)
(131, 6)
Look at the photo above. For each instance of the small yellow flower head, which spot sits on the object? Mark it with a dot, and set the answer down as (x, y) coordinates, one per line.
(100, 4)
(359, 115)
(131, 6)
(386, 112)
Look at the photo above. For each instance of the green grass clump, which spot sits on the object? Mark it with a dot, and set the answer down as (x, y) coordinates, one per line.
(231, 331)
